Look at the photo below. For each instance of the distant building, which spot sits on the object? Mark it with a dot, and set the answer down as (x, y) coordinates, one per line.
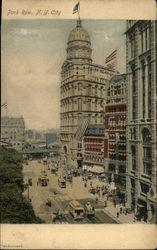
(29, 134)
(93, 146)
(141, 38)
(115, 131)
(37, 136)
(50, 138)
(13, 131)
(82, 92)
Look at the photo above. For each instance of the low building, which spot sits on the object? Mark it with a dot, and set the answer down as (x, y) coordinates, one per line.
(115, 132)
(50, 138)
(93, 147)
(13, 132)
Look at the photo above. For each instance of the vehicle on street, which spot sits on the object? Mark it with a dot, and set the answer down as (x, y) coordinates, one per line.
(76, 210)
(69, 178)
(57, 215)
(43, 180)
(45, 161)
(48, 202)
(30, 182)
(102, 177)
(53, 170)
(90, 175)
(75, 172)
(61, 182)
(89, 209)
(92, 190)
(43, 172)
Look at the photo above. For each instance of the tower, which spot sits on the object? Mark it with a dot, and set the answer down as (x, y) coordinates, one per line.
(82, 93)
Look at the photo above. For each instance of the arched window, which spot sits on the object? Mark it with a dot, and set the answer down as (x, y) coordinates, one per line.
(133, 156)
(147, 152)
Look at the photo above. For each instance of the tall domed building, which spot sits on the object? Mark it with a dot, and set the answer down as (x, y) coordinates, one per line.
(82, 93)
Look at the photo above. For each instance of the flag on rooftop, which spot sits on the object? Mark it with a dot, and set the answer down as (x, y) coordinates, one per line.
(82, 126)
(111, 60)
(76, 8)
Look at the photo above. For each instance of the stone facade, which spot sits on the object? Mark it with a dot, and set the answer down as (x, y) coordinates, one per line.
(82, 92)
(115, 132)
(13, 132)
(141, 117)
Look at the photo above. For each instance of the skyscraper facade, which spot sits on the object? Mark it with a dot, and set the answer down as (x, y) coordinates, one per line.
(141, 161)
(82, 92)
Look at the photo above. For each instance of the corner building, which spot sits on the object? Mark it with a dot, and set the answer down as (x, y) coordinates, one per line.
(82, 93)
(141, 118)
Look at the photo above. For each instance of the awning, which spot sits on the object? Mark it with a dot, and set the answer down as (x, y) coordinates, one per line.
(96, 169)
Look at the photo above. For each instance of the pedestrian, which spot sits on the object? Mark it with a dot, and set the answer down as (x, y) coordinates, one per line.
(91, 184)
(99, 193)
(114, 202)
(117, 214)
(121, 210)
(105, 204)
(126, 211)
(96, 200)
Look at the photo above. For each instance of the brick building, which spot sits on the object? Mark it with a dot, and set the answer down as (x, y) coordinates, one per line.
(93, 146)
(115, 131)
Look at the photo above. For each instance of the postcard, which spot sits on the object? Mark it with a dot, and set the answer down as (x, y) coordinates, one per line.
(78, 124)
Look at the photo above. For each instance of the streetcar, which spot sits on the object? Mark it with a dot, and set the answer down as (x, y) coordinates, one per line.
(61, 182)
(76, 210)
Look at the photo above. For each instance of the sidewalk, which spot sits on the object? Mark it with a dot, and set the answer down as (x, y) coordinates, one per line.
(123, 218)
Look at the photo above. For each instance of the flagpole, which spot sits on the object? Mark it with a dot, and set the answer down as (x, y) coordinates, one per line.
(79, 11)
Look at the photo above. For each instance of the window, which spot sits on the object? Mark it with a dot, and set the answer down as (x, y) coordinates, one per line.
(132, 43)
(142, 48)
(144, 188)
(101, 92)
(133, 93)
(89, 90)
(143, 88)
(79, 104)
(133, 154)
(96, 90)
(89, 104)
(149, 88)
(96, 119)
(147, 168)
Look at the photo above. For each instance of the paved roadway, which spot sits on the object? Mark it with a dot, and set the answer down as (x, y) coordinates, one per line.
(74, 190)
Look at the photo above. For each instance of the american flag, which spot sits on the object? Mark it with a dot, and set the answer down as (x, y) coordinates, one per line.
(111, 60)
(82, 126)
(76, 8)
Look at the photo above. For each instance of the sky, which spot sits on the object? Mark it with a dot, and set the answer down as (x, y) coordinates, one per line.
(33, 52)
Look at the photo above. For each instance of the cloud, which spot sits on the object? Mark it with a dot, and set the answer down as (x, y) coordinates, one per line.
(23, 32)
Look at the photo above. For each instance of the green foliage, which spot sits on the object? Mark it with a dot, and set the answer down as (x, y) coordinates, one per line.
(14, 208)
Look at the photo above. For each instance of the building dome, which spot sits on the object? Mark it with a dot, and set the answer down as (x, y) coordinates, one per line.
(79, 34)
(79, 45)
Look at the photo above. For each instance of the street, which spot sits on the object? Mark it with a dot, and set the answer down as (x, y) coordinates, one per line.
(60, 197)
